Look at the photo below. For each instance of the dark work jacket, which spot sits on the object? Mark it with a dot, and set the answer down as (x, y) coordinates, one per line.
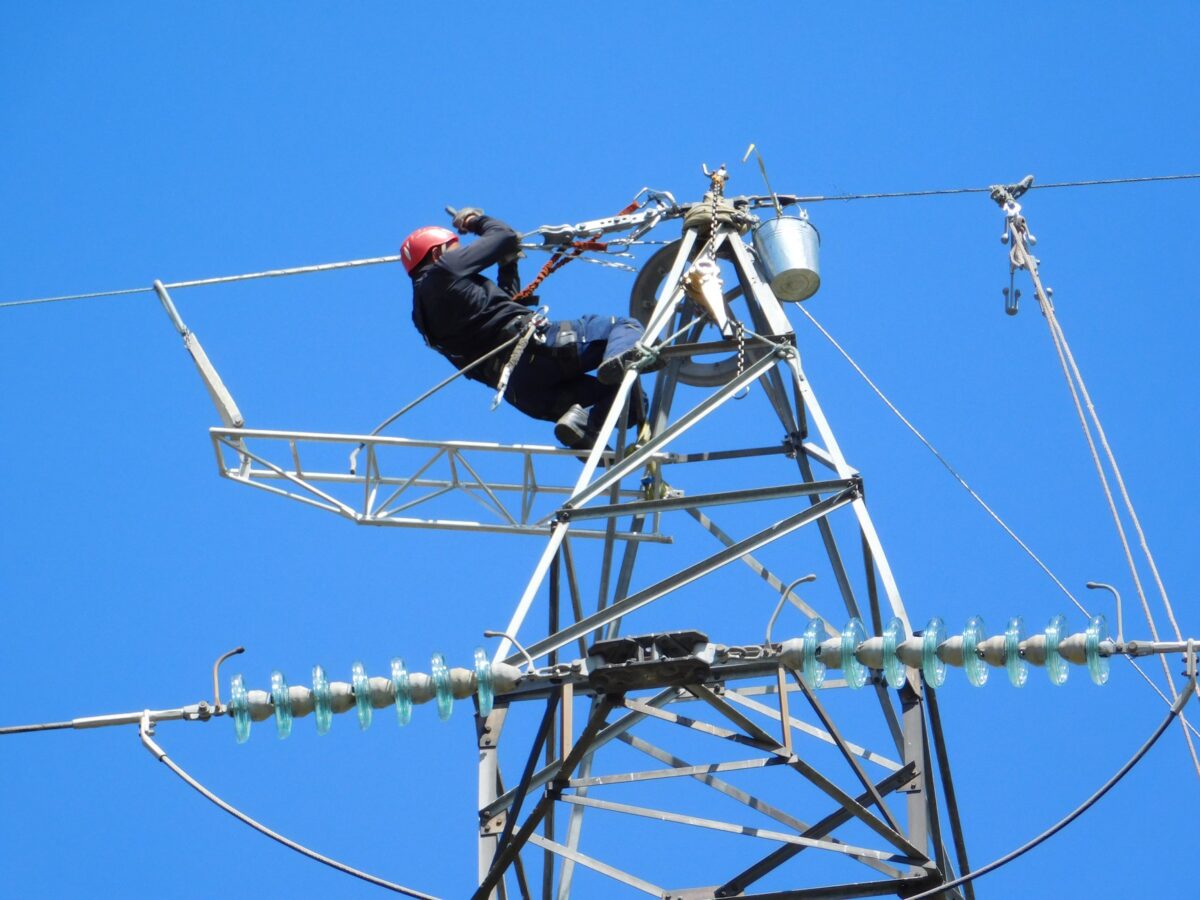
(458, 311)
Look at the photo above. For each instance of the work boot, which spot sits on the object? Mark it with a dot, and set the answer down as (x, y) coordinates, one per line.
(612, 370)
(571, 429)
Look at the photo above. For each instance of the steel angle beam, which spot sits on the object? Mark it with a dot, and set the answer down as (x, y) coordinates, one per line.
(615, 472)
(749, 800)
(902, 887)
(740, 697)
(682, 771)
(697, 456)
(564, 770)
(843, 747)
(609, 733)
(597, 866)
(686, 576)
(719, 498)
(662, 815)
(759, 569)
(756, 737)
(825, 826)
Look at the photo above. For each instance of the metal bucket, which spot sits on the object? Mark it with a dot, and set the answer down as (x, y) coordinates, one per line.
(788, 249)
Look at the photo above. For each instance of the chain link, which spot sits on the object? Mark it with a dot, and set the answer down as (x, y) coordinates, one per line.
(738, 328)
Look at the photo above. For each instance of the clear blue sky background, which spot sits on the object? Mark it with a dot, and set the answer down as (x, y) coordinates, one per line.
(178, 141)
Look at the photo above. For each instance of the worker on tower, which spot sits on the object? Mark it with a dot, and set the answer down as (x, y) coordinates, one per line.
(464, 315)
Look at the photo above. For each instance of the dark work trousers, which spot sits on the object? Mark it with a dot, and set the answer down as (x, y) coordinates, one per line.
(553, 374)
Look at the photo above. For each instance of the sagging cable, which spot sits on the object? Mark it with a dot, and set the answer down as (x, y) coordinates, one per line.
(1054, 829)
(146, 729)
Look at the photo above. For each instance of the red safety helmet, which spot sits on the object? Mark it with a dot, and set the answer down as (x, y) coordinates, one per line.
(418, 244)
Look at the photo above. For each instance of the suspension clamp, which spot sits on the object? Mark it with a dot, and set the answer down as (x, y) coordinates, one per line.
(1015, 230)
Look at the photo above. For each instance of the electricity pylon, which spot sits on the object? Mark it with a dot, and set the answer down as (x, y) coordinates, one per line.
(619, 689)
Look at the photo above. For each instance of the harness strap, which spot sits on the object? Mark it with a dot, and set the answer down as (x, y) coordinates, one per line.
(532, 324)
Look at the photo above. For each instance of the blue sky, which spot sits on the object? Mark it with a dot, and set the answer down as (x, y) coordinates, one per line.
(181, 141)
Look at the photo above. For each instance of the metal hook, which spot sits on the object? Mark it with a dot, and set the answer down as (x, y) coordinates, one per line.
(1093, 585)
(512, 640)
(216, 671)
(804, 579)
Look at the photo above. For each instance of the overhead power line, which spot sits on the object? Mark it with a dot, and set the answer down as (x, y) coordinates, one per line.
(220, 279)
(1087, 804)
(985, 190)
(355, 263)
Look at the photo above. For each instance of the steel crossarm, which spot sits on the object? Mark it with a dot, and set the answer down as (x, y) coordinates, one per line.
(254, 469)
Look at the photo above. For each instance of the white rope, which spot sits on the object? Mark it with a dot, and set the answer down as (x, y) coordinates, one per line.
(946, 463)
(1133, 516)
(1076, 385)
(1187, 726)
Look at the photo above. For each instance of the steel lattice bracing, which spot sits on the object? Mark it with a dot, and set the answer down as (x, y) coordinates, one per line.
(813, 809)
(503, 485)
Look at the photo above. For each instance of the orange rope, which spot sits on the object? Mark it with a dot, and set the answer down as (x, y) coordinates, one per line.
(560, 257)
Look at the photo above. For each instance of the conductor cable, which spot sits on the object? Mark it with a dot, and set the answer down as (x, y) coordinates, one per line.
(220, 279)
(1087, 804)
(941, 192)
(144, 732)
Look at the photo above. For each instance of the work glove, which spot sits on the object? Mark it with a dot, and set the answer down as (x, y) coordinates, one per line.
(465, 218)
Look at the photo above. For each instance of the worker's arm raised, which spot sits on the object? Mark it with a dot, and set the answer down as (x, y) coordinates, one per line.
(497, 244)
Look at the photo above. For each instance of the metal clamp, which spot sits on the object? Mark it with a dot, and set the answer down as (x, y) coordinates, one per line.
(1015, 231)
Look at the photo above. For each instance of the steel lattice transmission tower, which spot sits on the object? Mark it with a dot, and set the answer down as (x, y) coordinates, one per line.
(637, 739)
(687, 680)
